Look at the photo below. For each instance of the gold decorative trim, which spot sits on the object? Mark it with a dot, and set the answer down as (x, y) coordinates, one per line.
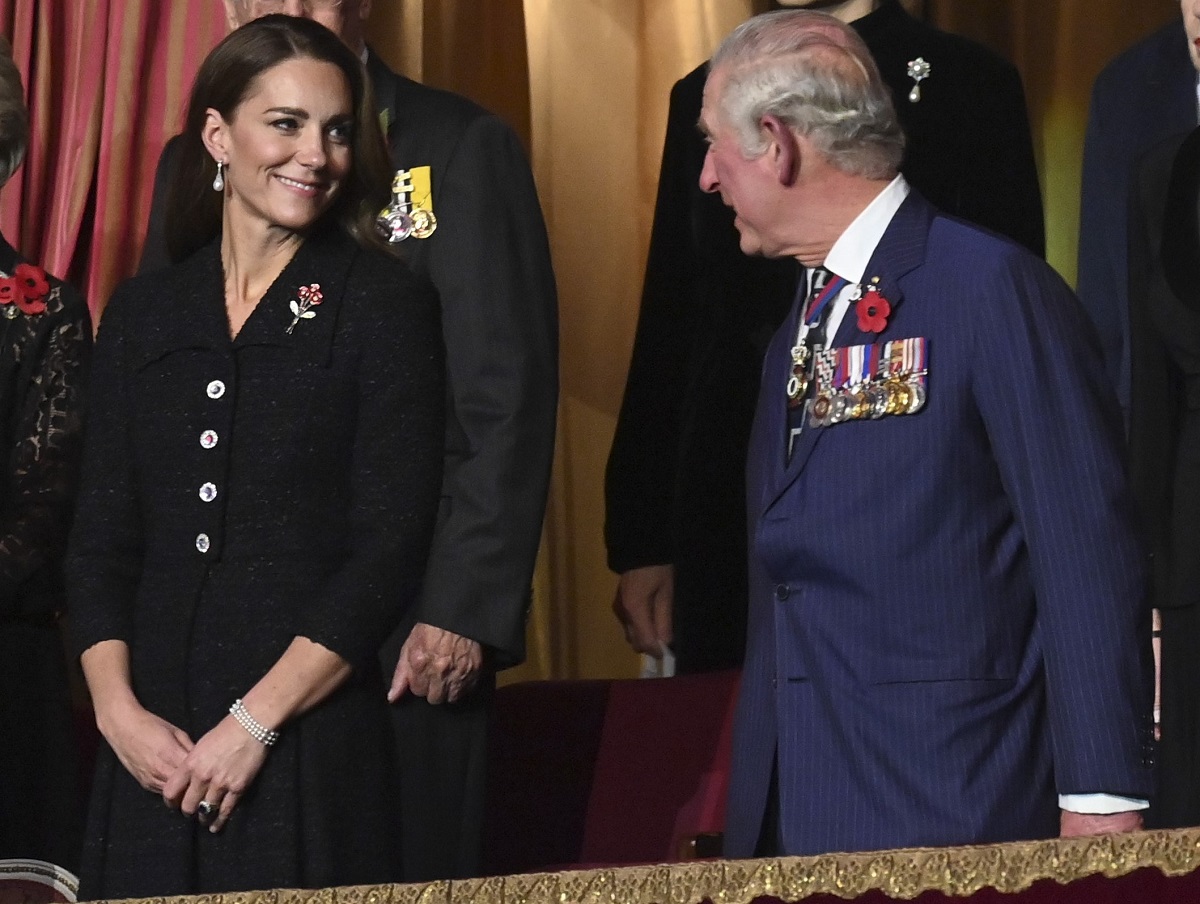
(902, 874)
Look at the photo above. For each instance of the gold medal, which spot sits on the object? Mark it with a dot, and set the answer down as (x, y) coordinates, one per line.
(901, 396)
(424, 223)
(917, 397)
(859, 406)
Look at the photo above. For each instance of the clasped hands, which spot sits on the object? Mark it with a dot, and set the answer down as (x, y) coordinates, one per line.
(162, 758)
(218, 768)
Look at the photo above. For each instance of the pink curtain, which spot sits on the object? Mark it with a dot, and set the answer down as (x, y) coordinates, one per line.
(106, 82)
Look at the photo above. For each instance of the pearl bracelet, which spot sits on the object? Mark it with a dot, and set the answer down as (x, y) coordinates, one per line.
(257, 730)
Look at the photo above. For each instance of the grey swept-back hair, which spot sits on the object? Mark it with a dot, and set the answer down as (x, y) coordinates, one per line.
(815, 75)
(14, 118)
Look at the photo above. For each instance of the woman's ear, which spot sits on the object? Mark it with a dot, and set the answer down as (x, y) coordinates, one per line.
(215, 135)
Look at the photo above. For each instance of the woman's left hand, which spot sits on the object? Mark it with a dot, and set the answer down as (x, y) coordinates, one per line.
(218, 770)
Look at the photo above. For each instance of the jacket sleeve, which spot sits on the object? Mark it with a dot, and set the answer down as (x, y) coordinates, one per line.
(1154, 382)
(490, 262)
(1103, 247)
(639, 482)
(45, 451)
(1055, 431)
(105, 552)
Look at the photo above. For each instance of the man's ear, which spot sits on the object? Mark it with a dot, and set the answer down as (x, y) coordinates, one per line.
(784, 149)
(215, 135)
(364, 9)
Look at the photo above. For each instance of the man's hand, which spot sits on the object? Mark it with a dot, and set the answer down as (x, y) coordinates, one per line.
(643, 606)
(436, 664)
(1072, 825)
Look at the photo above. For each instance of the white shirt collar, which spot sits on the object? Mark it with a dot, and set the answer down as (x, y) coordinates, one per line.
(851, 253)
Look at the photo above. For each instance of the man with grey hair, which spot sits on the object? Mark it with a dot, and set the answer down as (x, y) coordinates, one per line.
(947, 637)
(707, 312)
(486, 252)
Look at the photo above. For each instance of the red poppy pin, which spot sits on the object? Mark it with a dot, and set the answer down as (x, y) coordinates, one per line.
(27, 289)
(872, 310)
(310, 297)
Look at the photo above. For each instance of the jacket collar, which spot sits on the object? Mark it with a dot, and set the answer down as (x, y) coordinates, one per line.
(194, 290)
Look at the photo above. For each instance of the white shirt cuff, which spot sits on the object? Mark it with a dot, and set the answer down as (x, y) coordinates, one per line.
(1100, 804)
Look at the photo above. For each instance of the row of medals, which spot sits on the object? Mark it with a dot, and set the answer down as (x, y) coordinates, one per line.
(396, 223)
(902, 392)
(401, 219)
(897, 394)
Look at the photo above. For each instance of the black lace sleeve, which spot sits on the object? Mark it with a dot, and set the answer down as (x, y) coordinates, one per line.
(45, 358)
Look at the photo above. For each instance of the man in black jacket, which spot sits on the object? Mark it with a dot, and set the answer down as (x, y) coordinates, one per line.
(489, 259)
(674, 490)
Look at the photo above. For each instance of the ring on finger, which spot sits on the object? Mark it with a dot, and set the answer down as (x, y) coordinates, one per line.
(205, 811)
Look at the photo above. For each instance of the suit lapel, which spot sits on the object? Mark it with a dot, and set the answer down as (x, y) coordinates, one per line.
(900, 251)
(773, 408)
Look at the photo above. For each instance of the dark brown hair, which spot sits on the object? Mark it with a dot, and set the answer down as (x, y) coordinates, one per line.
(226, 77)
(14, 119)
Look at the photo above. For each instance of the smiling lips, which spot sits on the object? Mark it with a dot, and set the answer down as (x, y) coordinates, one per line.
(307, 188)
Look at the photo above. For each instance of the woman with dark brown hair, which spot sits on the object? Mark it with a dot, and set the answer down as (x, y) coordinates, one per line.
(261, 477)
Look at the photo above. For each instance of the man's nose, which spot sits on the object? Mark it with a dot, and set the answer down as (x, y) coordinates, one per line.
(708, 174)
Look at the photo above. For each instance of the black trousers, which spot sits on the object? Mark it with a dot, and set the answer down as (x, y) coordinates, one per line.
(1177, 803)
(442, 755)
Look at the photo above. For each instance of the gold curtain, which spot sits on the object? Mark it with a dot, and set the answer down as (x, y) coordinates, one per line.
(585, 83)
(600, 72)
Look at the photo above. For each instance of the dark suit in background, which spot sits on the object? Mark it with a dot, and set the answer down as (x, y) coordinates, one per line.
(675, 485)
(1144, 95)
(1164, 440)
(947, 623)
(490, 263)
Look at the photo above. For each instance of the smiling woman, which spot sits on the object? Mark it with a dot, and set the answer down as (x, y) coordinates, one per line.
(261, 477)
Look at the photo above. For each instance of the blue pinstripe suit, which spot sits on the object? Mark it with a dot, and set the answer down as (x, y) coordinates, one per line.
(947, 622)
